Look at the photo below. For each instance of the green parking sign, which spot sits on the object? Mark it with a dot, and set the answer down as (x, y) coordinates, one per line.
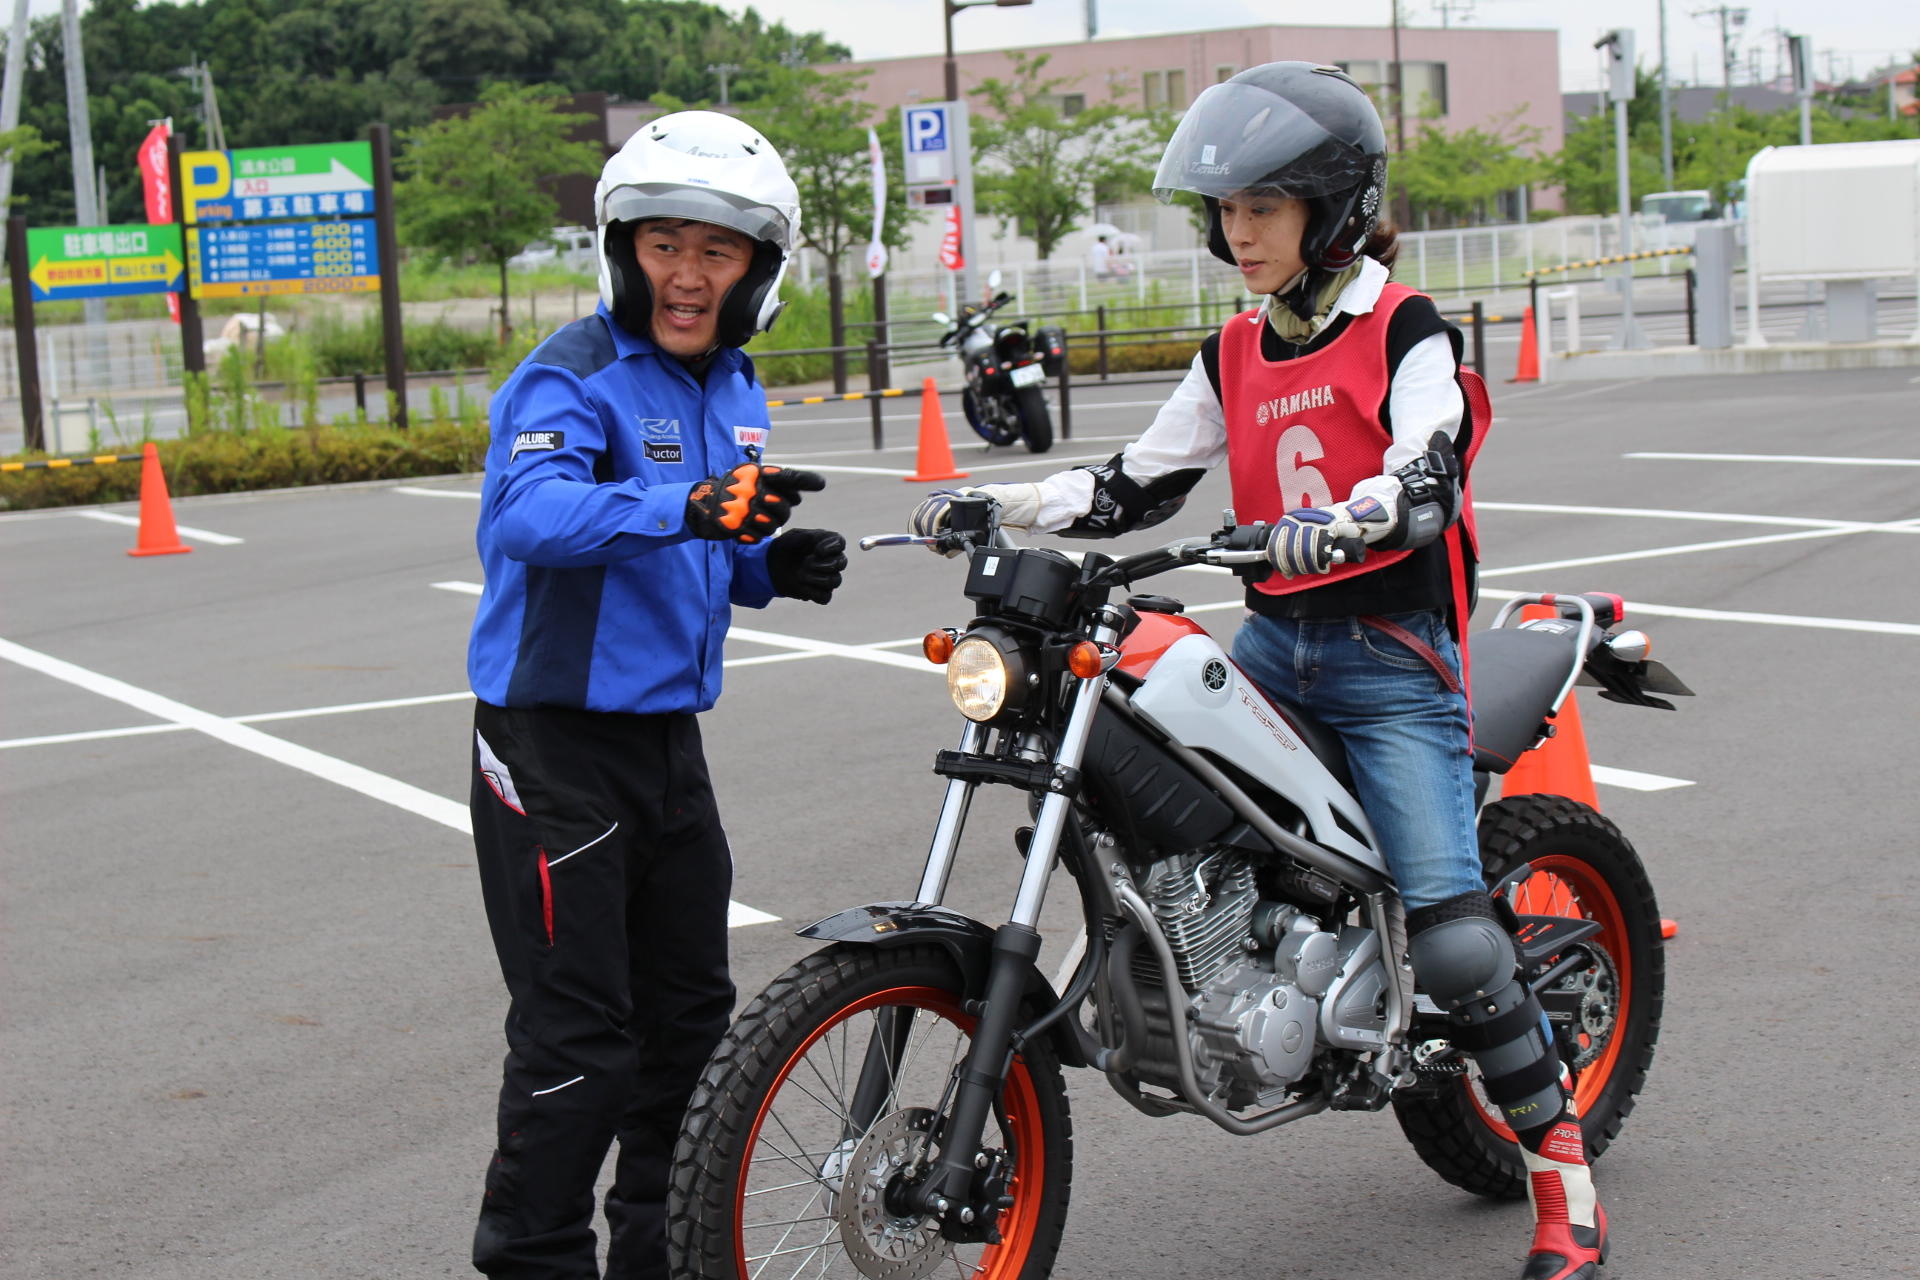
(104, 262)
(322, 180)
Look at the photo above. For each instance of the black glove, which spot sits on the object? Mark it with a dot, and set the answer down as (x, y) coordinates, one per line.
(806, 563)
(749, 502)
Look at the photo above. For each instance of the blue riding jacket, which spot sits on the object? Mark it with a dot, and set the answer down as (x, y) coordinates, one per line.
(597, 597)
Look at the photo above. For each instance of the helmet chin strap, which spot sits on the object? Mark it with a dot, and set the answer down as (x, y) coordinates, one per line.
(1299, 293)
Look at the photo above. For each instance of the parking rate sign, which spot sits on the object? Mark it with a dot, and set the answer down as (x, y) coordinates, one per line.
(103, 262)
(929, 143)
(289, 257)
(327, 180)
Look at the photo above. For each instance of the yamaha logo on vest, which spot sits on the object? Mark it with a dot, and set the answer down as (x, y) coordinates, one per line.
(1214, 675)
(1285, 406)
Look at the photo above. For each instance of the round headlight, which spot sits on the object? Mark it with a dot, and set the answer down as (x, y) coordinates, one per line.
(977, 678)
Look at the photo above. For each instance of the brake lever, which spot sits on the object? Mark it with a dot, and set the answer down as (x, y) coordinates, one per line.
(873, 540)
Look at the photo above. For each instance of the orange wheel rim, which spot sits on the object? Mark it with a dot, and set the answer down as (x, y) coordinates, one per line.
(1018, 1224)
(1563, 886)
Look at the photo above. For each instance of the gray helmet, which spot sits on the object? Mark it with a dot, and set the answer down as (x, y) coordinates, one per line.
(1295, 128)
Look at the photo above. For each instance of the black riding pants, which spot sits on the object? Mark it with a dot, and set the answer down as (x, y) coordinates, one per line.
(606, 875)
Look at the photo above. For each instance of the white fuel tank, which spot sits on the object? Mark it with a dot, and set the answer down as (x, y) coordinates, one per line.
(1197, 696)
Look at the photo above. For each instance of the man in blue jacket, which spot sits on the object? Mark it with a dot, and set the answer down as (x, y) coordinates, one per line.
(626, 508)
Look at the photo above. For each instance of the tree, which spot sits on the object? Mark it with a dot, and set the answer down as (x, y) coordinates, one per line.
(1045, 165)
(819, 125)
(471, 185)
(1463, 174)
(293, 71)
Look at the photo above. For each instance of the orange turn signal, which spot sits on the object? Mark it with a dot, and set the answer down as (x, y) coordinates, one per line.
(1084, 660)
(938, 646)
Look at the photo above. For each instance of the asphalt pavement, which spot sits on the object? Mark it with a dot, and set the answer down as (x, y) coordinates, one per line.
(252, 1019)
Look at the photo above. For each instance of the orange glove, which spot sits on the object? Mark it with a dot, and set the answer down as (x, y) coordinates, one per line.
(749, 502)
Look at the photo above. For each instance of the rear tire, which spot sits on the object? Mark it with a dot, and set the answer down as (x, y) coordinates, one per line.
(1036, 423)
(1583, 866)
(982, 420)
(769, 1182)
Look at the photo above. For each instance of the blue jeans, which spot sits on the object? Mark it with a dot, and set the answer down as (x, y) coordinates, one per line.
(1405, 733)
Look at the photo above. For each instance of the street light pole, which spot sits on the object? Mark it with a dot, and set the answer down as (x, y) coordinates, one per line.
(950, 7)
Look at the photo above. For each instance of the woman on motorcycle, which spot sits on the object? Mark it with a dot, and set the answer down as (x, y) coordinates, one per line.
(1338, 408)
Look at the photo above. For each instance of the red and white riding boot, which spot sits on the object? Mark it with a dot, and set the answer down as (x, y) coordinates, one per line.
(1569, 1226)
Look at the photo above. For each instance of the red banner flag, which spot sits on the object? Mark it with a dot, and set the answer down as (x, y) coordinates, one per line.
(950, 255)
(158, 182)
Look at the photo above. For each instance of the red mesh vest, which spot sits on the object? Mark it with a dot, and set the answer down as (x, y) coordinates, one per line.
(1303, 432)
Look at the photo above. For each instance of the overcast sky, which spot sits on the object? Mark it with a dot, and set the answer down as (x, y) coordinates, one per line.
(1860, 33)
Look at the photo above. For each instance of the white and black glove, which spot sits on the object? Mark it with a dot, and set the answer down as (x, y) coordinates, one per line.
(1305, 539)
(1019, 506)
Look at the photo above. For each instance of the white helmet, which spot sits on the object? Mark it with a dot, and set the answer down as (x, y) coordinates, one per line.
(706, 167)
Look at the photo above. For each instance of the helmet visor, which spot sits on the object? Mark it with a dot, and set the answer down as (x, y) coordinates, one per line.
(664, 200)
(1240, 137)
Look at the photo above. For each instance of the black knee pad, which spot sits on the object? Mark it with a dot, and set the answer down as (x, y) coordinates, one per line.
(1464, 959)
(1460, 951)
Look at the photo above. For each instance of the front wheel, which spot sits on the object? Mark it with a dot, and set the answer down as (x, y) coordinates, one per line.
(1036, 424)
(1606, 1016)
(820, 1101)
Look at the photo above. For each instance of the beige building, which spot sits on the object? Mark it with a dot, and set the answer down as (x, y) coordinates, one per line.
(1460, 77)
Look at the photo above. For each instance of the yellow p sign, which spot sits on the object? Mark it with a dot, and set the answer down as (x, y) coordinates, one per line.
(204, 175)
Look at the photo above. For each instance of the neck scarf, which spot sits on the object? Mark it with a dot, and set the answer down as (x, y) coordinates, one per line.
(1291, 327)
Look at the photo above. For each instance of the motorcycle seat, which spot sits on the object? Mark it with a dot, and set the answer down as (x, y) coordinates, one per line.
(1517, 673)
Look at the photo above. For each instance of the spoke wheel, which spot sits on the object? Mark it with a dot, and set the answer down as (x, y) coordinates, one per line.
(1584, 867)
(784, 1172)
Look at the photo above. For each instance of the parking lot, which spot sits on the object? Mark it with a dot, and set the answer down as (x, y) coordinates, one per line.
(252, 1017)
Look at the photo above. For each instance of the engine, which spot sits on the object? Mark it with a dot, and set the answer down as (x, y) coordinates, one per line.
(1264, 986)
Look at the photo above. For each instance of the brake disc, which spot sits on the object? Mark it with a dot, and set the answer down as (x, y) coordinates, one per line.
(880, 1244)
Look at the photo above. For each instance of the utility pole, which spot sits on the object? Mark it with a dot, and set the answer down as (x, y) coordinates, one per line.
(723, 70)
(1730, 19)
(1399, 87)
(1666, 108)
(10, 95)
(1620, 88)
(86, 195)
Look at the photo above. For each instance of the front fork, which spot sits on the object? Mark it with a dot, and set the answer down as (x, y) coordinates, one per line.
(1016, 945)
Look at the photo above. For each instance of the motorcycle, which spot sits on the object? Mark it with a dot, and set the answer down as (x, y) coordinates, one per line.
(1004, 369)
(893, 1104)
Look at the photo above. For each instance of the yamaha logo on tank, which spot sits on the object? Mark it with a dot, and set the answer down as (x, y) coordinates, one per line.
(1214, 675)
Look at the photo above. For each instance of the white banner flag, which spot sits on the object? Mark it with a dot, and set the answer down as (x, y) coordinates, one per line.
(876, 251)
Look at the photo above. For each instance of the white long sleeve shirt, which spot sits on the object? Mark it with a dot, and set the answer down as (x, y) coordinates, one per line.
(1190, 429)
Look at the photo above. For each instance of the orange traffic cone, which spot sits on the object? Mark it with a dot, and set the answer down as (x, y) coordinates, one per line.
(1558, 766)
(1528, 369)
(158, 537)
(935, 458)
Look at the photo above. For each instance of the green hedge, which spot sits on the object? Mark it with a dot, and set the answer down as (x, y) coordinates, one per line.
(232, 462)
(1083, 356)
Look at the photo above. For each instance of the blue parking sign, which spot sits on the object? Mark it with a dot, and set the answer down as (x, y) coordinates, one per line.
(926, 129)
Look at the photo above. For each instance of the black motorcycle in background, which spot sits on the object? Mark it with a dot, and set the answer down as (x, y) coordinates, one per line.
(1005, 367)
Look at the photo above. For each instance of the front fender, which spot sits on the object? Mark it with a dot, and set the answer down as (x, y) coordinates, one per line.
(968, 941)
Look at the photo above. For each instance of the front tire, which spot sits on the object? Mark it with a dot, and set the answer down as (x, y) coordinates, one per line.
(772, 1180)
(1582, 866)
(1036, 423)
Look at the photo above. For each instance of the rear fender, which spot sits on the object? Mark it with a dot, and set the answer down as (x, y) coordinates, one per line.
(969, 942)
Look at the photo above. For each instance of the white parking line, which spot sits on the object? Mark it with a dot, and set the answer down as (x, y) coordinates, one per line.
(1709, 517)
(377, 786)
(421, 491)
(1903, 526)
(185, 531)
(1635, 607)
(1634, 780)
(1779, 457)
